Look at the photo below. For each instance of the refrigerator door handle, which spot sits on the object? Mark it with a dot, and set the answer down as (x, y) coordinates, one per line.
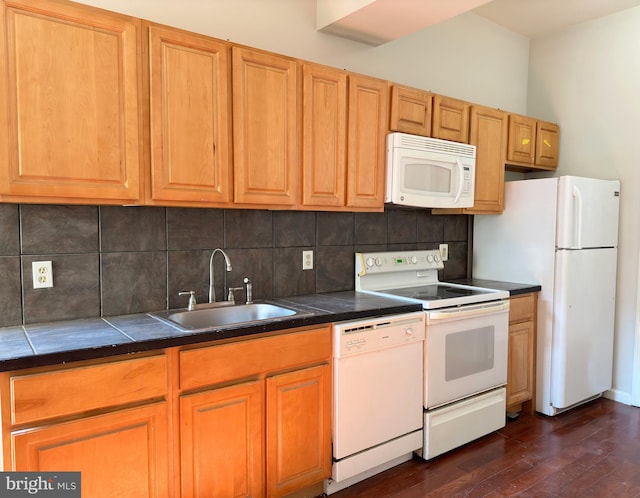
(460, 182)
(577, 219)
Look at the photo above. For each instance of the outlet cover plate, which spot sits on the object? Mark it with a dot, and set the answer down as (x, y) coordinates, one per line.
(42, 274)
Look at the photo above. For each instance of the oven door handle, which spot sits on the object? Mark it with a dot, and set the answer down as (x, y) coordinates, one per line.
(469, 311)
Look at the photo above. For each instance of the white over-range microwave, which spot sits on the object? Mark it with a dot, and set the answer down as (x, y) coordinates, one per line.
(429, 172)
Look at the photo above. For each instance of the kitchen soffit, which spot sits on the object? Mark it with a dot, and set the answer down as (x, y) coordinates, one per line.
(378, 21)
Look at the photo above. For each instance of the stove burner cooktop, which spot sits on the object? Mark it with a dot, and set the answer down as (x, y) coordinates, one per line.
(436, 291)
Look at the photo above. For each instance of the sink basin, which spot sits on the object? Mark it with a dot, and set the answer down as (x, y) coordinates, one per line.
(228, 315)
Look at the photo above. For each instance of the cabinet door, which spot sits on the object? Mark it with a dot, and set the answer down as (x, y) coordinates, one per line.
(522, 139)
(69, 95)
(121, 454)
(488, 132)
(521, 368)
(411, 110)
(324, 136)
(265, 124)
(368, 115)
(298, 429)
(221, 436)
(189, 117)
(450, 119)
(547, 144)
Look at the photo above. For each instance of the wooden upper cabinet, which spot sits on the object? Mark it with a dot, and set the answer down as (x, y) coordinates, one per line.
(450, 119)
(488, 132)
(411, 110)
(189, 117)
(533, 143)
(522, 139)
(368, 115)
(547, 144)
(324, 110)
(265, 125)
(69, 103)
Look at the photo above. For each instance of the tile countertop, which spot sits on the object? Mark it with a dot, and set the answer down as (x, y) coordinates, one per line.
(513, 288)
(61, 342)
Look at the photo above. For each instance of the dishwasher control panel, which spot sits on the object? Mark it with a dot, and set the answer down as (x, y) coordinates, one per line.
(359, 336)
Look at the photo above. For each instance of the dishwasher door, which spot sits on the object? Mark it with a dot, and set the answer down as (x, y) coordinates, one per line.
(378, 382)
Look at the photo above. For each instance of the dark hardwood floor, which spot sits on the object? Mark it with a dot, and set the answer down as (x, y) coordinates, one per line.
(592, 450)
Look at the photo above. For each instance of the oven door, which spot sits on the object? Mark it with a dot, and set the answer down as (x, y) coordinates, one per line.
(465, 351)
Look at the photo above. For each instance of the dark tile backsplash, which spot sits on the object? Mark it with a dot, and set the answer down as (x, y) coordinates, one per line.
(112, 260)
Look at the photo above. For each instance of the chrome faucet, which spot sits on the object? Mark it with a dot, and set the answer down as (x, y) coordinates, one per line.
(212, 290)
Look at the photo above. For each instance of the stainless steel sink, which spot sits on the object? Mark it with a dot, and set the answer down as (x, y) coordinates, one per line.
(224, 316)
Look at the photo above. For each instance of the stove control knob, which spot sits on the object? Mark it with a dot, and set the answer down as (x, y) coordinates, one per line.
(408, 332)
(369, 262)
(436, 257)
(429, 258)
(378, 262)
(413, 260)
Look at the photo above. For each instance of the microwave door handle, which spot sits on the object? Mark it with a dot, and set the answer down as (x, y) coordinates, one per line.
(460, 182)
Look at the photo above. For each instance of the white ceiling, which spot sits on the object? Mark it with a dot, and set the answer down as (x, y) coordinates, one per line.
(536, 18)
(378, 21)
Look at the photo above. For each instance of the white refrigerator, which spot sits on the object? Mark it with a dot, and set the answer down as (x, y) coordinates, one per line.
(561, 233)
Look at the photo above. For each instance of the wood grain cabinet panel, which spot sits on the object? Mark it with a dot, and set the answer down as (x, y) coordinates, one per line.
(122, 454)
(488, 132)
(265, 124)
(69, 92)
(45, 395)
(324, 153)
(522, 139)
(221, 437)
(411, 110)
(450, 119)
(547, 144)
(521, 370)
(532, 143)
(298, 429)
(189, 117)
(368, 115)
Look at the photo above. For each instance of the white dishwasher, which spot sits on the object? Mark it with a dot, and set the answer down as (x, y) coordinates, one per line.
(377, 395)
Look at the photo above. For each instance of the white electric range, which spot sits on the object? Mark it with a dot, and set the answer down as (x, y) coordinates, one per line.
(465, 348)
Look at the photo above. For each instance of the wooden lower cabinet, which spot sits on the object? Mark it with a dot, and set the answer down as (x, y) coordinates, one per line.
(266, 431)
(521, 376)
(124, 453)
(298, 429)
(221, 441)
(250, 418)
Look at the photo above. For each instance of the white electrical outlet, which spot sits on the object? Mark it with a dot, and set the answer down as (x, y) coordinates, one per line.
(42, 274)
(307, 260)
(444, 252)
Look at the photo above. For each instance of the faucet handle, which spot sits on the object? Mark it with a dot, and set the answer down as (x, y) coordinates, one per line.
(231, 297)
(192, 298)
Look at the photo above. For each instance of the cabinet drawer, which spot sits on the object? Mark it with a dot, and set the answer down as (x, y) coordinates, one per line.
(522, 308)
(217, 364)
(59, 393)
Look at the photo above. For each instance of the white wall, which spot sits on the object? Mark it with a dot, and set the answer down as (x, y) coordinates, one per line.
(588, 80)
(466, 57)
